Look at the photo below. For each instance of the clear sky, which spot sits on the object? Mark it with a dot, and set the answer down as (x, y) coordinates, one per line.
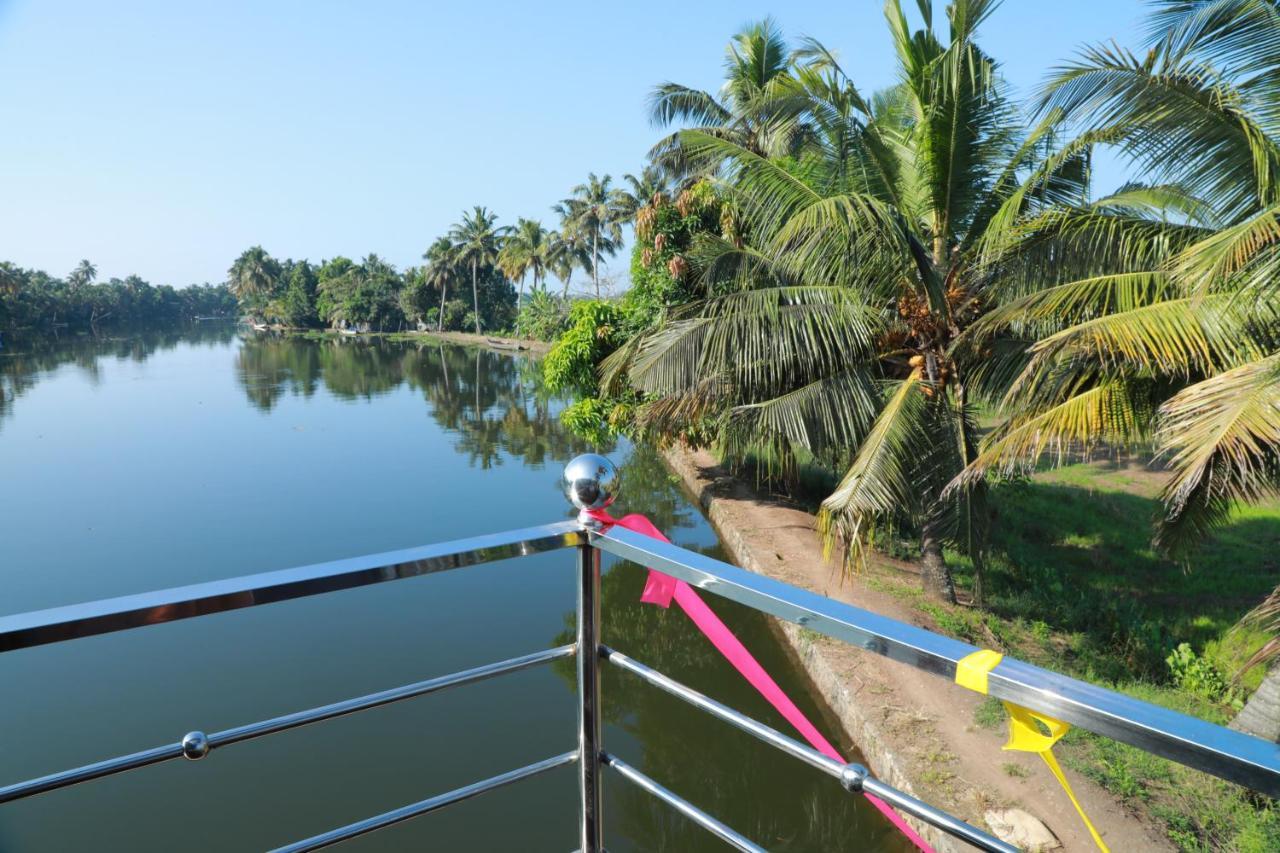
(162, 138)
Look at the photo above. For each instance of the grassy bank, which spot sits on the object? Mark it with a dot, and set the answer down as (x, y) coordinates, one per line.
(1074, 585)
(494, 341)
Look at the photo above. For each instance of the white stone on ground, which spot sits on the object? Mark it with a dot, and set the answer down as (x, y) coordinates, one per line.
(1023, 830)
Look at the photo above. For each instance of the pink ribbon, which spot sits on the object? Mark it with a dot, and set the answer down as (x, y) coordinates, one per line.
(661, 589)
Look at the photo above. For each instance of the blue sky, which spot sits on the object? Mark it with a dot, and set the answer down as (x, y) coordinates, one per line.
(163, 138)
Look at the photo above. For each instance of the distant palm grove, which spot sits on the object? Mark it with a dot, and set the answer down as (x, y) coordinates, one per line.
(33, 299)
(473, 278)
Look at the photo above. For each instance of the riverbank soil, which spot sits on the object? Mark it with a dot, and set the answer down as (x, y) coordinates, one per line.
(492, 341)
(1073, 586)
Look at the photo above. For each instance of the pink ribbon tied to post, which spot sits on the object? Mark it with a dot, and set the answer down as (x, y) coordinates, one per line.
(593, 493)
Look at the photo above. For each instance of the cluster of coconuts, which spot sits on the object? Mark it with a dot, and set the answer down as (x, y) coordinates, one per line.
(917, 363)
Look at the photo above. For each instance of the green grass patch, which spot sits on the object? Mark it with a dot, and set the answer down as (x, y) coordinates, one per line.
(1015, 770)
(1074, 585)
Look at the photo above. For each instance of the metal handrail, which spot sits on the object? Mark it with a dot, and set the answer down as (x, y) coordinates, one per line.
(1214, 749)
(57, 624)
(854, 777)
(1231, 755)
(431, 804)
(196, 745)
(728, 835)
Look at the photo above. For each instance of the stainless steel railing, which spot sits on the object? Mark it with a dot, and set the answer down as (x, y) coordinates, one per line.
(590, 482)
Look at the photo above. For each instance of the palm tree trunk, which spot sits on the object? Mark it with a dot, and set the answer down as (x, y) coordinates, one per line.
(979, 579)
(1260, 716)
(475, 295)
(444, 291)
(934, 574)
(595, 260)
(520, 298)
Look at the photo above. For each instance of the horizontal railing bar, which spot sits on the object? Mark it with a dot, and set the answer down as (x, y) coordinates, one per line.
(89, 772)
(38, 627)
(686, 808)
(737, 719)
(931, 815)
(112, 766)
(431, 804)
(386, 697)
(846, 774)
(1230, 755)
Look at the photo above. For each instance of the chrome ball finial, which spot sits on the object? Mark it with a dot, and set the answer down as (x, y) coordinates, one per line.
(591, 481)
(853, 776)
(195, 745)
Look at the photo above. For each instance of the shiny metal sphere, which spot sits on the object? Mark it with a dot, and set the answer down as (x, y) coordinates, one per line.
(852, 777)
(195, 745)
(591, 481)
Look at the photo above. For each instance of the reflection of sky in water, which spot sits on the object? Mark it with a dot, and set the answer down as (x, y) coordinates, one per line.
(134, 465)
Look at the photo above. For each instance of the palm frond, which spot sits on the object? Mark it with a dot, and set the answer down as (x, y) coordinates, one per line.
(1240, 37)
(1183, 122)
(1117, 413)
(1062, 306)
(1221, 438)
(1209, 263)
(670, 103)
(762, 342)
(1066, 244)
(1158, 201)
(1265, 616)
(831, 413)
(878, 484)
(1172, 337)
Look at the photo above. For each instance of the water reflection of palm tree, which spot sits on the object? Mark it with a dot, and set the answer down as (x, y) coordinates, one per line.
(493, 403)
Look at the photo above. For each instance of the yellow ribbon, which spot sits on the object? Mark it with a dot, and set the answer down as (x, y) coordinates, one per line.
(971, 670)
(1025, 732)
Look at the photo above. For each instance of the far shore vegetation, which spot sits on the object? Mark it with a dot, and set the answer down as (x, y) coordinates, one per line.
(915, 311)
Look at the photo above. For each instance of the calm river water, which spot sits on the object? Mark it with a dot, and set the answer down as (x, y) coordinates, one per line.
(152, 461)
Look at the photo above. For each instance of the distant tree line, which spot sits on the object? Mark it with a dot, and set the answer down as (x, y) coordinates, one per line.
(33, 299)
(473, 277)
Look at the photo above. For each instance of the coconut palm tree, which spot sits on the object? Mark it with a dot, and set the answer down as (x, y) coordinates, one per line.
(566, 252)
(1177, 333)
(542, 256)
(651, 184)
(441, 271)
(596, 211)
(253, 277)
(858, 265)
(477, 240)
(525, 251)
(84, 273)
(10, 279)
(752, 108)
(1170, 333)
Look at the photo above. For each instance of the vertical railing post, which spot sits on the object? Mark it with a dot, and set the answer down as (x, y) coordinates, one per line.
(589, 697)
(590, 483)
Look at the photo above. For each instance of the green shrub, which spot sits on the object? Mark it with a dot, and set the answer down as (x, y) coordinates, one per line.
(455, 316)
(1196, 674)
(543, 317)
(597, 419)
(594, 332)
